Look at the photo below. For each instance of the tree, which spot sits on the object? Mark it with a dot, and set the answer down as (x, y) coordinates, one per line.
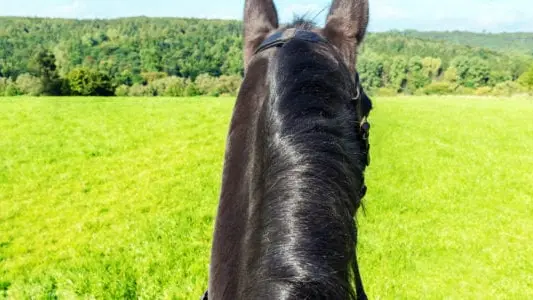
(124, 49)
(370, 68)
(122, 91)
(233, 63)
(29, 85)
(431, 67)
(451, 75)
(398, 73)
(153, 76)
(497, 77)
(139, 90)
(3, 85)
(86, 82)
(190, 89)
(417, 78)
(206, 85)
(43, 65)
(526, 79)
(507, 88)
(9, 88)
(150, 59)
(228, 85)
(176, 87)
(472, 72)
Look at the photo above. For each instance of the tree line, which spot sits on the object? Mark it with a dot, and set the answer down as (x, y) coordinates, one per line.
(187, 57)
(519, 42)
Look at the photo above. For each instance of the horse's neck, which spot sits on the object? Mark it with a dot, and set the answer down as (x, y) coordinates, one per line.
(233, 209)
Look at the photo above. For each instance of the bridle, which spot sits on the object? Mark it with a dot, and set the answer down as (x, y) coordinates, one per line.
(279, 39)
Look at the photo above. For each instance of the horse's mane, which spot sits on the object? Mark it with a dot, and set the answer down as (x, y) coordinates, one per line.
(311, 163)
(301, 22)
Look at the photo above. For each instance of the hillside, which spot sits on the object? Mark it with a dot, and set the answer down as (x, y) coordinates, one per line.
(125, 49)
(521, 42)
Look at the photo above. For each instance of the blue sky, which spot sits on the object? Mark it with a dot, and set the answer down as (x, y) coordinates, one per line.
(473, 15)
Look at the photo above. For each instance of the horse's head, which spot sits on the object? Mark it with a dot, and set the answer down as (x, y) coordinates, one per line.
(337, 42)
(345, 27)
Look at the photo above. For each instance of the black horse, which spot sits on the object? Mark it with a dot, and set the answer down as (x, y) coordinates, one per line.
(295, 157)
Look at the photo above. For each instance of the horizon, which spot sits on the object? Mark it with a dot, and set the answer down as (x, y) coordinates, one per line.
(237, 20)
(478, 16)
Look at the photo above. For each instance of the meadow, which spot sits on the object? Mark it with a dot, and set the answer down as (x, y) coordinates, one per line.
(115, 198)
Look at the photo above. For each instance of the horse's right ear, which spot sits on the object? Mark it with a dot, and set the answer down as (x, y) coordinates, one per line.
(260, 18)
(346, 27)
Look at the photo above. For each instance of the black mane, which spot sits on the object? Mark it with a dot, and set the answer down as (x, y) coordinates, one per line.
(301, 22)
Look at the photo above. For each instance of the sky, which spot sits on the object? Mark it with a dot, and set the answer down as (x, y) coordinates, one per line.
(471, 15)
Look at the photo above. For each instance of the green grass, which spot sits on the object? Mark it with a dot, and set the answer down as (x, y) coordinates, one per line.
(115, 198)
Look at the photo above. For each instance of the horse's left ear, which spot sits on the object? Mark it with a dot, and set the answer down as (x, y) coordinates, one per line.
(260, 18)
(346, 27)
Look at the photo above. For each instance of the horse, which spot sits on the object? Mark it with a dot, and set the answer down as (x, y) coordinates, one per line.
(296, 152)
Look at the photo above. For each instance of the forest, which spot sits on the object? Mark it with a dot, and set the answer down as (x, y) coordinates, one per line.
(185, 57)
(520, 42)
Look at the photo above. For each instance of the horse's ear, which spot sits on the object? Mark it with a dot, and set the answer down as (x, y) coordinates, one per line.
(346, 27)
(260, 18)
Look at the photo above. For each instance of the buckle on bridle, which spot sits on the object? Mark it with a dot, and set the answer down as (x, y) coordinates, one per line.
(365, 129)
(357, 93)
(364, 126)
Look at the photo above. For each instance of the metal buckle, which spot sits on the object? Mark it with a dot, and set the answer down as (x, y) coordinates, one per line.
(365, 128)
(357, 93)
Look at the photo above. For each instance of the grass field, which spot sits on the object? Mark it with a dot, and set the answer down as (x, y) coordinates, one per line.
(115, 198)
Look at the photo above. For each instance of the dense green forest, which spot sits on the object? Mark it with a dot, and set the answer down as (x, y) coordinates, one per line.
(171, 56)
(521, 42)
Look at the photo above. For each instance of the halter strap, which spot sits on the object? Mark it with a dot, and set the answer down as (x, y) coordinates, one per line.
(280, 38)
